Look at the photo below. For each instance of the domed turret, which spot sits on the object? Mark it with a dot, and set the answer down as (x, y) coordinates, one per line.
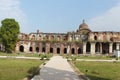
(84, 28)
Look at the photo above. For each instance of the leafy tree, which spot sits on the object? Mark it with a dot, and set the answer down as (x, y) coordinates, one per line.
(9, 32)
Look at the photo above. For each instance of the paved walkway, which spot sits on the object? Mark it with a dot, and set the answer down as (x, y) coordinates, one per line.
(57, 69)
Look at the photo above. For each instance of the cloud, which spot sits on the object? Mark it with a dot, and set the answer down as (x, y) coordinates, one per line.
(108, 21)
(11, 9)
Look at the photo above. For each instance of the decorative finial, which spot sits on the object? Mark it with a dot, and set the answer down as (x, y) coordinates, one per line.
(83, 21)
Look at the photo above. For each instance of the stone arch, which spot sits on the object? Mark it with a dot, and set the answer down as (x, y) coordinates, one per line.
(88, 47)
(43, 49)
(58, 50)
(73, 51)
(51, 50)
(30, 49)
(65, 50)
(95, 37)
(58, 38)
(37, 49)
(97, 47)
(114, 46)
(105, 48)
(79, 50)
(21, 49)
(33, 37)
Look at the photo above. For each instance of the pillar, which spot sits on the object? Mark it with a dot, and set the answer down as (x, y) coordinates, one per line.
(110, 48)
(84, 48)
(33, 47)
(117, 46)
(92, 49)
(100, 48)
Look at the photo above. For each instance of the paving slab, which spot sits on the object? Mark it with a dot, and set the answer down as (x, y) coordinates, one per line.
(57, 69)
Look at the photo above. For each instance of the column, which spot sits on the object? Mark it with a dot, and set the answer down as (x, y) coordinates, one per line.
(84, 48)
(110, 48)
(33, 47)
(40, 47)
(117, 46)
(100, 48)
(92, 49)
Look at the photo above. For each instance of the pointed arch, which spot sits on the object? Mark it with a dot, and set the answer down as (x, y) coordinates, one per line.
(73, 51)
(79, 50)
(21, 49)
(43, 49)
(105, 48)
(97, 47)
(51, 50)
(37, 49)
(65, 50)
(30, 49)
(88, 47)
(58, 50)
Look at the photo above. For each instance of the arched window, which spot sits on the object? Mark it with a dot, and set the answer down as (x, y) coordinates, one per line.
(37, 49)
(73, 51)
(65, 50)
(21, 49)
(51, 50)
(95, 37)
(30, 49)
(79, 51)
(43, 49)
(58, 50)
(97, 47)
(88, 47)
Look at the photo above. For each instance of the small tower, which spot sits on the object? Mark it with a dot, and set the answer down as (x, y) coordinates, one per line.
(83, 28)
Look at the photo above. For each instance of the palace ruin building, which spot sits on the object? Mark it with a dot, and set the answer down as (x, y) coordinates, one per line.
(82, 41)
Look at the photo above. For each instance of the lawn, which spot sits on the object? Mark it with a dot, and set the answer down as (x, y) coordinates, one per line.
(100, 70)
(16, 69)
(98, 57)
(20, 54)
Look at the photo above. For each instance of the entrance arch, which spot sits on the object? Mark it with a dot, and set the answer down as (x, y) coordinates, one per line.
(73, 51)
(65, 50)
(97, 47)
(79, 50)
(21, 49)
(30, 49)
(58, 50)
(37, 49)
(43, 49)
(88, 47)
(51, 50)
(105, 48)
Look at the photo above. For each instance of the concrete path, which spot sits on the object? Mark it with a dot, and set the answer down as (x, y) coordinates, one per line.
(57, 69)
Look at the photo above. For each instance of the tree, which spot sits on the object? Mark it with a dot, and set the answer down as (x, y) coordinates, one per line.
(9, 32)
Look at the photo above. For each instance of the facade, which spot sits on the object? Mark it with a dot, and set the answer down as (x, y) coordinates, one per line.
(82, 41)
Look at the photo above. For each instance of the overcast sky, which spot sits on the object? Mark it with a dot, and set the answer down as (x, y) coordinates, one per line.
(62, 15)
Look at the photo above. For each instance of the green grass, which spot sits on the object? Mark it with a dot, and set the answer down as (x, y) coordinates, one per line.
(95, 57)
(16, 69)
(25, 54)
(100, 70)
(20, 54)
(99, 57)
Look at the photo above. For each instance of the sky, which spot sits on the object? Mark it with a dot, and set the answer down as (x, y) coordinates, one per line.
(61, 16)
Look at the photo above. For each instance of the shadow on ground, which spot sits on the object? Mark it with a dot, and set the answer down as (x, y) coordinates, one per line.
(97, 78)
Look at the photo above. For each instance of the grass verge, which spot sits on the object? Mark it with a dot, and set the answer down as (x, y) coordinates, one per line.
(100, 70)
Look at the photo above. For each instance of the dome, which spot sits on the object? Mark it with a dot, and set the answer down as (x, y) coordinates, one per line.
(83, 26)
